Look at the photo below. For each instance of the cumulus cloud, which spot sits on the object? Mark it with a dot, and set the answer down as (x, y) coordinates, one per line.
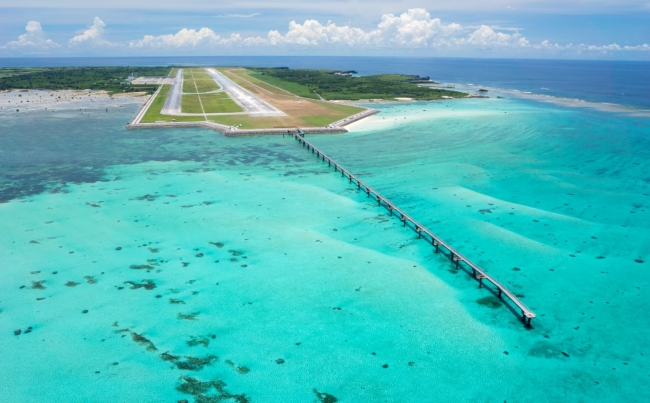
(313, 33)
(204, 37)
(413, 29)
(34, 38)
(93, 36)
(485, 36)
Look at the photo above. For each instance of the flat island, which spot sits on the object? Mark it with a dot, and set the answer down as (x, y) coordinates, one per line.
(238, 100)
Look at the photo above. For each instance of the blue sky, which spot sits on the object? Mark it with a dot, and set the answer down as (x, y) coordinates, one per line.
(595, 29)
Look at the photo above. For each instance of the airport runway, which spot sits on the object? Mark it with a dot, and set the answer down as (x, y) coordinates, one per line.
(248, 102)
(173, 102)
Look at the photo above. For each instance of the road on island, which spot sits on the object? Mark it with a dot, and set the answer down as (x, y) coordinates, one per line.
(248, 102)
(173, 102)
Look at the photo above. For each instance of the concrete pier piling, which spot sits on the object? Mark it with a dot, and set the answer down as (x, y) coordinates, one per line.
(456, 257)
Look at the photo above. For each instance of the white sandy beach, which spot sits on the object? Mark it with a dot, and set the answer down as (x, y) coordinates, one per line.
(406, 113)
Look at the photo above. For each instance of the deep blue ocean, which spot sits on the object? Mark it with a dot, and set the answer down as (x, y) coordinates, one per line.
(620, 82)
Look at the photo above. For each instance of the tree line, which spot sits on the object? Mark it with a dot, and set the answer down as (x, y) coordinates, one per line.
(111, 79)
(345, 86)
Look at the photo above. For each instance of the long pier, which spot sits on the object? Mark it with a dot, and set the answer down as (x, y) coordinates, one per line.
(423, 233)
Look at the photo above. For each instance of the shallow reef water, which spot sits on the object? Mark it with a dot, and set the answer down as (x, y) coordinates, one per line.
(171, 265)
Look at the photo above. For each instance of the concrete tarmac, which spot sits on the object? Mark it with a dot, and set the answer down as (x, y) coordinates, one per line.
(173, 102)
(245, 99)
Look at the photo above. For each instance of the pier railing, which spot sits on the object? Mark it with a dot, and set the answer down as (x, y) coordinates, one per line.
(423, 233)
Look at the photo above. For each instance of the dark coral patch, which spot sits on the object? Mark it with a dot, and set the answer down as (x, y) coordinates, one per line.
(241, 369)
(141, 267)
(325, 397)
(199, 389)
(189, 316)
(38, 285)
(196, 341)
(146, 284)
(490, 302)
(195, 363)
(146, 197)
(139, 338)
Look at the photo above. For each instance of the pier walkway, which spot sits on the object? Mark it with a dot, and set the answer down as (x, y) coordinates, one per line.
(456, 257)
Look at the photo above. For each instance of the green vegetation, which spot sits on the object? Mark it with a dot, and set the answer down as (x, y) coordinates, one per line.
(246, 121)
(337, 112)
(294, 88)
(8, 72)
(206, 85)
(191, 104)
(219, 102)
(197, 80)
(318, 121)
(200, 74)
(111, 79)
(153, 114)
(188, 85)
(330, 85)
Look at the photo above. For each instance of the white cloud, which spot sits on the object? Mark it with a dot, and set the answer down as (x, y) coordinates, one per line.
(204, 37)
(313, 33)
(92, 36)
(413, 29)
(485, 36)
(34, 38)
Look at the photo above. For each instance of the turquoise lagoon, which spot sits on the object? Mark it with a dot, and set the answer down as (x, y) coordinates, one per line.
(162, 265)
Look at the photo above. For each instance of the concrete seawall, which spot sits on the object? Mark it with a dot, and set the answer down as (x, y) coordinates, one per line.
(145, 107)
(354, 118)
(334, 128)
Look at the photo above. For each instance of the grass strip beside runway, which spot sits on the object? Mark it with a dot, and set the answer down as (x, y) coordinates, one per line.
(205, 86)
(293, 88)
(217, 103)
(153, 114)
(191, 104)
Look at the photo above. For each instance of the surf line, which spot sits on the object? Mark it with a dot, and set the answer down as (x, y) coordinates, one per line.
(423, 233)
